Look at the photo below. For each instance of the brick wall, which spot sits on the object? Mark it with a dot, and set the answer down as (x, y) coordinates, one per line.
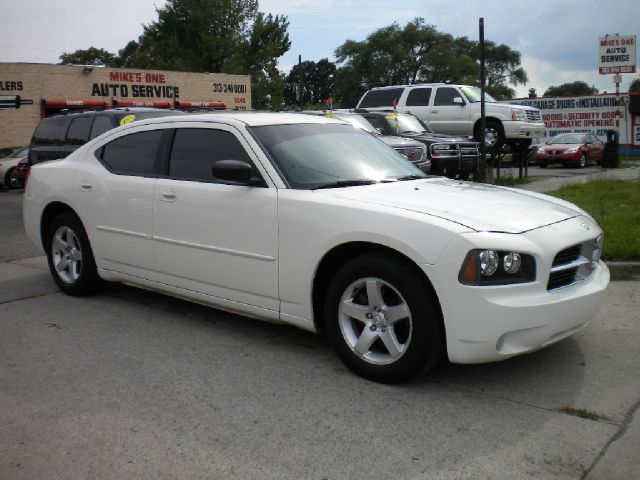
(37, 82)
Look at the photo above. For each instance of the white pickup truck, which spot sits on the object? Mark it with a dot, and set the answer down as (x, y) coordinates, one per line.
(455, 110)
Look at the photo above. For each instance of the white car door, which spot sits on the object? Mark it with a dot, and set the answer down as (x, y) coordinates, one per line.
(417, 103)
(449, 112)
(213, 238)
(116, 192)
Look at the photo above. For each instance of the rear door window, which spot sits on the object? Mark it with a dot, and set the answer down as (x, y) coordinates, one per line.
(133, 154)
(101, 124)
(419, 97)
(79, 128)
(381, 98)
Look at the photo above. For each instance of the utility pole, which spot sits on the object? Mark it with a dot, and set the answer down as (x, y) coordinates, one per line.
(483, 122)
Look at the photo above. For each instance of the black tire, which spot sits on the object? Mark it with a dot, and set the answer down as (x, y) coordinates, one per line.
(14, 181)
(582, 162)
(70, 256)
(417, 336)
(7, 177)
(543, 165)
(493, 137)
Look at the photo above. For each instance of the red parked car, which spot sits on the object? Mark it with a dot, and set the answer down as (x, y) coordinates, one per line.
(19, 175)
(570, 149)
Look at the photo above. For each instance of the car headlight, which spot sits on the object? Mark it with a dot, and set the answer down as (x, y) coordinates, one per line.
(571, 150)
(497, 267)
(597, 249)
(518, 115)
(413, 154)
(540, 149)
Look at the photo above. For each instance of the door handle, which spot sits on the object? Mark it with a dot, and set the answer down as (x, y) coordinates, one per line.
(168, 195)
(434, 111)
(85, 187)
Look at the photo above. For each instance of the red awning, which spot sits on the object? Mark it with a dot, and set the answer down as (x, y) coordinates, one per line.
(142, 103)
(74, 103)
(214, 105)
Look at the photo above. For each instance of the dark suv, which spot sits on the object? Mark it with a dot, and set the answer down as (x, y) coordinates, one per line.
(453, 157)
(59, 135)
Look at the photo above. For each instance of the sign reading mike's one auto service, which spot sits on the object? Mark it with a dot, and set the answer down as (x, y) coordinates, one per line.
(30, 91)
(617, 54)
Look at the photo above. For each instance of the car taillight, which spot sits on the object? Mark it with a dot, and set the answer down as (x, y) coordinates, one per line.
(26, 176)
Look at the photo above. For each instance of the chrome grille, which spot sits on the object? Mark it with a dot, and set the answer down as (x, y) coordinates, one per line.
(465, 150)
(572, 265)
(534, 116)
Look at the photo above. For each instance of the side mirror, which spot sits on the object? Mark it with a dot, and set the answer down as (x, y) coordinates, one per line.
(458, 101)
(234, 172)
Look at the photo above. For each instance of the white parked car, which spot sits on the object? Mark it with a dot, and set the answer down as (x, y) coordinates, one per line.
(311, 222)
(8, 166)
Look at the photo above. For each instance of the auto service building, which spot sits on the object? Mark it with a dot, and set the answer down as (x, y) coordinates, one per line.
(30, 91)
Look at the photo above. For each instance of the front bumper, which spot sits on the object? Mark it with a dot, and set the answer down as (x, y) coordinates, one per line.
(562, 158)
(514, 130)
(490, 323)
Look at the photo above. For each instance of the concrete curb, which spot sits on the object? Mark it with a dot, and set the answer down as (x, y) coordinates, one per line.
(624, 270)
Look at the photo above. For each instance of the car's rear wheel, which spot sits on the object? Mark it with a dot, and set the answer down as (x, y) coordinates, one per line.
(70, 256)
(382, 319)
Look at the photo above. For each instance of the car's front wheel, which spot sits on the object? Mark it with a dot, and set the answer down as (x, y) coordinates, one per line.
(382, 319)
(582, 163)
(70, 256)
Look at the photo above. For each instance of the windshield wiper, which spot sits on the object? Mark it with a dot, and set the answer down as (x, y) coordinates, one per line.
(345, 183)
(411, 177)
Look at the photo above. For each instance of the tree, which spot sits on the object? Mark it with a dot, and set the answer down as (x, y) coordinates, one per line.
(419, 53)
(573, 89)
(90, 56)
(229, 36)
(318, 83)
(502, 68)
(635, 86)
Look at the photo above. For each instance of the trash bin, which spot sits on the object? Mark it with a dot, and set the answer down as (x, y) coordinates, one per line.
(611, 152)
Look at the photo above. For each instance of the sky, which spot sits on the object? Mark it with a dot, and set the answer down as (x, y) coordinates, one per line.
(557, 40)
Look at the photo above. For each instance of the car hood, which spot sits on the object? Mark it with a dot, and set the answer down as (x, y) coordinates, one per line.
(399, 142)
(560, 146)
(479, 207)
(438, 138)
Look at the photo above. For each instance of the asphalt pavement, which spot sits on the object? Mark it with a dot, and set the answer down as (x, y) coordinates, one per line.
(133, 384)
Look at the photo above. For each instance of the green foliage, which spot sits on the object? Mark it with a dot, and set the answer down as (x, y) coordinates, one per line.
(573, 89)
(615, 205)
(318, 83)
(419, 53)
(229, 36)
(635, 86)
(90, 56)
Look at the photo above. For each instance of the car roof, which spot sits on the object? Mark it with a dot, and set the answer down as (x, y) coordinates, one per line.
(252, 119)
(113, 111)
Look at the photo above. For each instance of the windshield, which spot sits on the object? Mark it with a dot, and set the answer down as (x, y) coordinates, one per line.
(406, 124)
(19, 152)
(357, 121)
(327, 155)
(567, 138)
(473, 94)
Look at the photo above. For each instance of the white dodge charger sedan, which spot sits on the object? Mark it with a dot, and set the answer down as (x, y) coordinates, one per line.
(311, 222)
